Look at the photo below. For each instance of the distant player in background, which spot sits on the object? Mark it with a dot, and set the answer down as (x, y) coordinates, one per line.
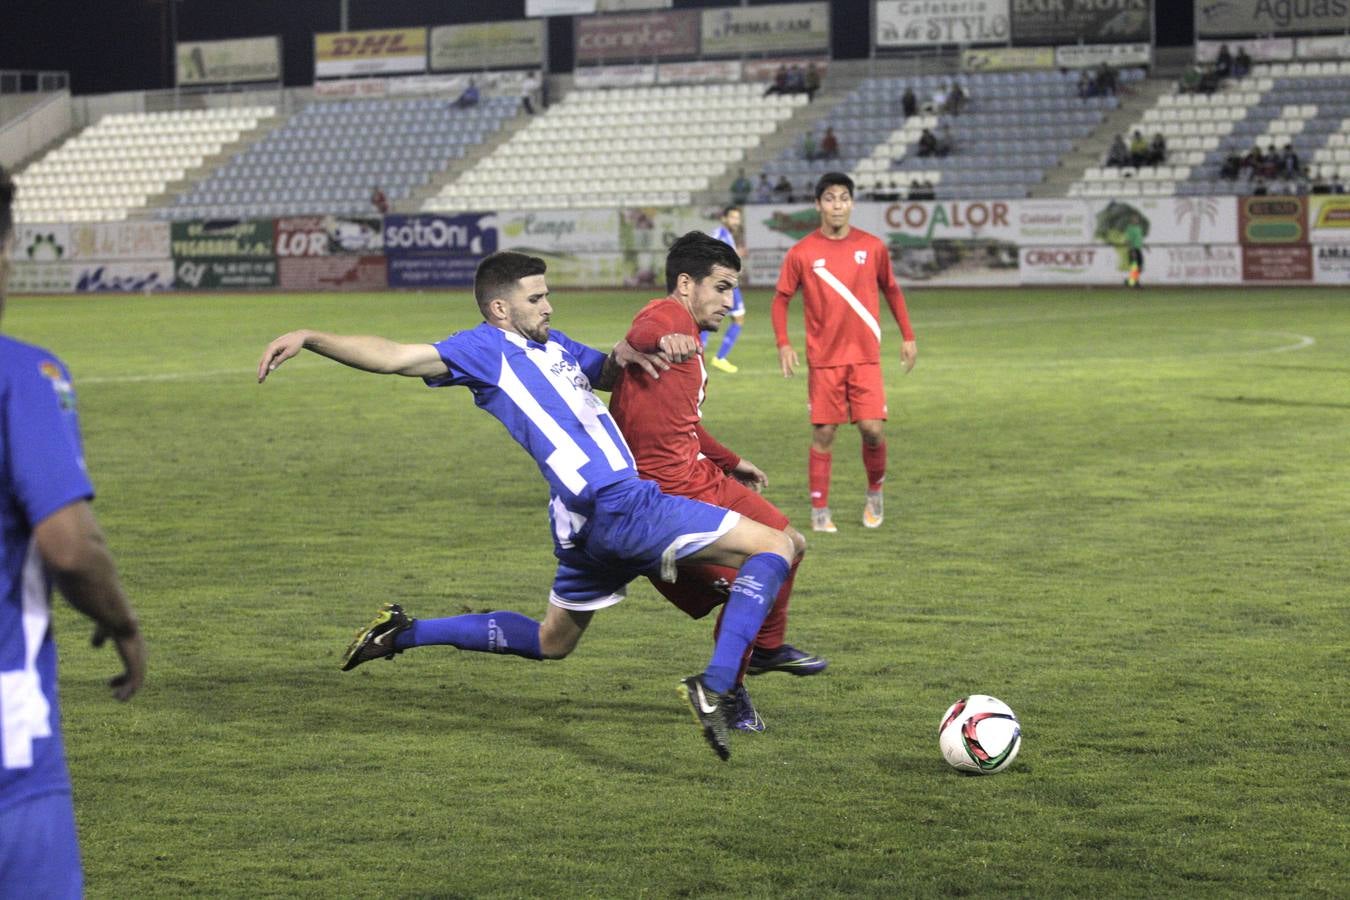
(48, 534)
(662, 420)
(839, 269)
(727, 233)
(608, 526)
(1134, 243)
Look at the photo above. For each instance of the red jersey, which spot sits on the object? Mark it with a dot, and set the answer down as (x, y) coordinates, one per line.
(662, 419)
(839, 281)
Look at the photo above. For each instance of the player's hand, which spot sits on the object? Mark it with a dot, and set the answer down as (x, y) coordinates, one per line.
(651, 363)
(131, 649)
(280, 350)
(750, 475)
(678, 347)
(787, 360)
(909, 354)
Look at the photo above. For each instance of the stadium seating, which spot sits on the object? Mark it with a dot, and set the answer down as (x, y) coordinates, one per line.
(1014, 126)
(622, 146)
(112, 168)
(329, 156)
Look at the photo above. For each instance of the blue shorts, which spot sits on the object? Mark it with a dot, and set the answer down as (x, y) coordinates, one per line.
(39, 852)
(634, 530)
(737, 304)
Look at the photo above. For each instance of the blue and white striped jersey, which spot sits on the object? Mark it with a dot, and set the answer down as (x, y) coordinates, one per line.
(41, 470)
(542, 394)
(723, 234)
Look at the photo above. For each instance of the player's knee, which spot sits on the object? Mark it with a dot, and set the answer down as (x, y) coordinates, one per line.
(798, 542)
(554, 647)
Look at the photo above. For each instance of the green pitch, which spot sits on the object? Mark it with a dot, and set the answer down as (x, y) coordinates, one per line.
(1123, 513)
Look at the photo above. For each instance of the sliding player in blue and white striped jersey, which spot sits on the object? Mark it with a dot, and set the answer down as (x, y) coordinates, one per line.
(609, 526)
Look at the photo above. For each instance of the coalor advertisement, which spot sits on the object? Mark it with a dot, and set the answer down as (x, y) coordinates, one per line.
(215, 273)
(1052, 222)
(328, 235)
(384, 51)
(139, 277)
(332, 273)
(1234, 18)
(1040, 22)
(1329, 218)
(779, 28)
(488, 45)
(1331, 264)
(1264, 264)
(654, 36)
(229, 62)
(929, 23)
(432, 250)
(222, 238)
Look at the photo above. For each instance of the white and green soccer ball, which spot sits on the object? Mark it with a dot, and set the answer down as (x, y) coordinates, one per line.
(980, 734)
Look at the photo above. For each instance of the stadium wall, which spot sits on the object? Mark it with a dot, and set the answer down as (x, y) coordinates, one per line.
(1188, 241)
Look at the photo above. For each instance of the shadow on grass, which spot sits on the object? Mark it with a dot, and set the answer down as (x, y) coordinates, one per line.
(1277, 401)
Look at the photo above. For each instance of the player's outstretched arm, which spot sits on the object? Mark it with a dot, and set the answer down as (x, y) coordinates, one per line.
(75, 552)
(365, 352)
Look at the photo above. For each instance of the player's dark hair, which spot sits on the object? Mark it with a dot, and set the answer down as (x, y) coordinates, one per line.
(833, 179)
(497, 274)
(7, 191)
(695, 254)
(727, 209)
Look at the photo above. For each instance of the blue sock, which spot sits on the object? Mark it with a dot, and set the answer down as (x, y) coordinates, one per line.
(752, 596)
(729, 339)
(494, 632)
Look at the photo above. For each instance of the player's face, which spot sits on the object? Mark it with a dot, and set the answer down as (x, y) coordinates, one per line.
(835, 206)
(732, 219)
(712, 298)
(528, 309)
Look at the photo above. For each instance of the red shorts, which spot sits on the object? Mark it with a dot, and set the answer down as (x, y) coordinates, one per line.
(699, 589)
(838, 394)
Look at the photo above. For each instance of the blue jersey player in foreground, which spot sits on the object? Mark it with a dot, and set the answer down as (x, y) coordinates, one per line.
(608, 525)
(47, 534)
(726, 233)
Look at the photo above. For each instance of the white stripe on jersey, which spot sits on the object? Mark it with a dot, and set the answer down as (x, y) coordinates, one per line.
(842, 290)
(587, 407)
(567, 457)
(24, 711)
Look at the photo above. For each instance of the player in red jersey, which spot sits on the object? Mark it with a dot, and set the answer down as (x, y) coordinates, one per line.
(662, 421)
(839, 269)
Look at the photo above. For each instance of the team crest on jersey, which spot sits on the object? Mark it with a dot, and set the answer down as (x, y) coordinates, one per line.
(860, 257)
(818, 264)
(64, 392)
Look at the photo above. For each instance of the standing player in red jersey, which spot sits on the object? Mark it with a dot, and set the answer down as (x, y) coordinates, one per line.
(662, 421)
(839, 269)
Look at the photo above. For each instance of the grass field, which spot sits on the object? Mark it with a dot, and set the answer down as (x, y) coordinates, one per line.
(1125, 514)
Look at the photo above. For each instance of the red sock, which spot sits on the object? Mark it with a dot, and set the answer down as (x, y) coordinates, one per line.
(874, 463)
(818, 478)
(774, 629)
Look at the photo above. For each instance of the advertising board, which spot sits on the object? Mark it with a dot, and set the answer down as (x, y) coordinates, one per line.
(1329, 218)
(119, 240)
(206, 273)
(238, 238)
(1272, 220)
(1276, 263)
(653, 36)
(328, 235)
(1232, 18)
(931, 23)
(432, 250)
(997, 59)
(1168, 220)
(381, 51)
(488, 45)
(229, 62)
(332, 273)
(775, 28)
(140, 276)
(1056, 22)
(564, 231)
(1331, 263)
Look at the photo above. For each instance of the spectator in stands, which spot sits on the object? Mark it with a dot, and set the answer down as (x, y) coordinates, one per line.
(1157, 150)
(1242, 63)
(469, 97)
(939, 99)
(909, 104)
(1232, 166)
(1107, 82)
(1209, 81)
(812, 82)
(763, 190)
(782, 191)
(1190, 79)
(808, 190)
(809, 150)
(1290, 165)
(780, 82)
(1336, 186)
(1253, 161)
(1087, 85)
(945, 142)
(379, 200)
(1259, 187)
(1119, 154)
(796, 80)
(829, 145)
(1270, 164)
(928, 143)
(892, 191)
(1223, 63)
(1138, 149)
(956, 99)
(740, 189)
(921, 189)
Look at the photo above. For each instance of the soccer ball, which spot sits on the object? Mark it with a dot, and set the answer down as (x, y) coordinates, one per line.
(980, 734)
